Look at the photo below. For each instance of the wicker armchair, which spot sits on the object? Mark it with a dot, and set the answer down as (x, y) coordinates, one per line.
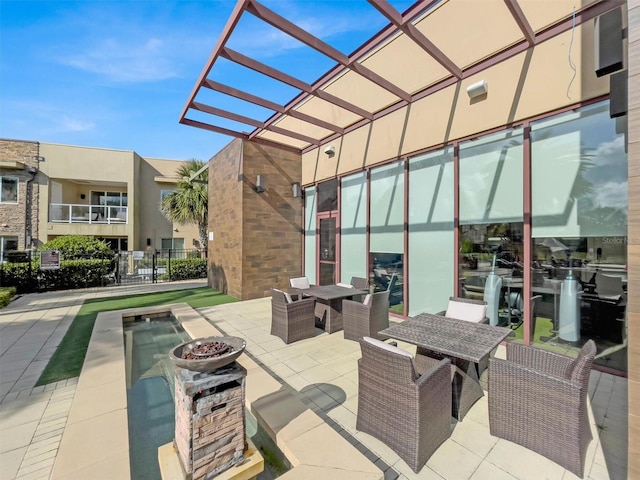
(361, 284)
(456, 309)
(297, 286)
(362, 320)
(292, 321)
(408, 412)
(538, 399)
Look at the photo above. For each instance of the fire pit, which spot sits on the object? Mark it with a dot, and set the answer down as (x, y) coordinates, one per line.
(208, 353)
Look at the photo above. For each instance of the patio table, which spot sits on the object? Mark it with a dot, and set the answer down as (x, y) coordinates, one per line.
(329, 304)
(465, 343)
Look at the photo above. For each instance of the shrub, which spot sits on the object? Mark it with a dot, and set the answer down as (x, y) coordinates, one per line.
(5, 295)
(186, 269)
(78, 246)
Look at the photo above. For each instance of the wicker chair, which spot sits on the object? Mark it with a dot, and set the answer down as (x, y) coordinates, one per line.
(292, 321)
(408, 412)
(362, 320)
(361, 284)
(538, 399)
(297, 286)
(454, 311)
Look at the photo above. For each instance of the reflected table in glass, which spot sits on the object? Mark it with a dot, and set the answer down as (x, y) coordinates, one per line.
(467, 344)
(329, 304)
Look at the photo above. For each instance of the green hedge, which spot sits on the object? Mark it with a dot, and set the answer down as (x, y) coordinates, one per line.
(5, 295)
(72, 274)
(186, 269)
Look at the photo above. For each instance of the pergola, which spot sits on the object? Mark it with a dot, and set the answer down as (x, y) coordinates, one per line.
(431, 46)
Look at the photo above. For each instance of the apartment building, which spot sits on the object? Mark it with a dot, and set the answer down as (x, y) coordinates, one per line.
(49, 190)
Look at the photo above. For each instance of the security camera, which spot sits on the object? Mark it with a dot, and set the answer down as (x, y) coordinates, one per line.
(330, 150)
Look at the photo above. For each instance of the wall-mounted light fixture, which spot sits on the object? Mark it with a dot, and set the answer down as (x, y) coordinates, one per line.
(296, 190)
(330, 151)
(261, 184)
(477, 89)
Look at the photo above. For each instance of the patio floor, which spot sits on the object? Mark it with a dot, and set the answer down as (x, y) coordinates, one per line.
(324, 370)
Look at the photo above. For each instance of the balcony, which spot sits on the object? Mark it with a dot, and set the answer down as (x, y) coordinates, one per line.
(91, 214)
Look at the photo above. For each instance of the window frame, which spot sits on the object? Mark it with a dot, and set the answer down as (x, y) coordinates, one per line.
(17, 181)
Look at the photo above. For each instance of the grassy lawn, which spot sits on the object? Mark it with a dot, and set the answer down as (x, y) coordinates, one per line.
(67, 361)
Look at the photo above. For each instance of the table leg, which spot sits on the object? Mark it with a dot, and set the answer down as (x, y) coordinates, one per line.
(329, 315)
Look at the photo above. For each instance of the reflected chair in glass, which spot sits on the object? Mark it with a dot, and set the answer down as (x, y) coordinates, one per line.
(366, 319)
(538, 399)
(292, 320)
(407, 410)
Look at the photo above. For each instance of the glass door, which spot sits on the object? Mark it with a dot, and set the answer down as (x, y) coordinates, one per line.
(327, 244)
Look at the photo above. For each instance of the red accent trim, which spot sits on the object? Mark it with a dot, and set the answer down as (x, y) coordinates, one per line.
(405, 263)
(456, 220)
(526, 237)
(521, 20)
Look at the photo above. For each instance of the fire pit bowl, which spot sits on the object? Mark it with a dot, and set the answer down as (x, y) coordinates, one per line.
(205, 363)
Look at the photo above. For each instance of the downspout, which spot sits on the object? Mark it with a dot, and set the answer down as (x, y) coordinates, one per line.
(28, 241)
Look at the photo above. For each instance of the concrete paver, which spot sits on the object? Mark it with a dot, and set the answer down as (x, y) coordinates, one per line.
(32, 419)
(323, 369)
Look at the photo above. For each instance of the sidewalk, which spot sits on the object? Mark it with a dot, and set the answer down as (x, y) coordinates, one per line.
(32, 418)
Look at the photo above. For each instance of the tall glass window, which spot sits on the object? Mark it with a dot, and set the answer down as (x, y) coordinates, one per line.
(386, 240)
(310, 234)
(430, 231)
(353, 230)
(491, 223)
(579, 229)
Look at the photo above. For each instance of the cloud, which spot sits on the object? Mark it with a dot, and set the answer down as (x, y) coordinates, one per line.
(611, 194)
(142, 61)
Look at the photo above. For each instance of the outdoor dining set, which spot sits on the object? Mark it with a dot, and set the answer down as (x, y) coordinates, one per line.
(536, 398)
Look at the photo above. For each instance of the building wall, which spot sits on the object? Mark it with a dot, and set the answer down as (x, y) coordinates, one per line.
(153, 224)
(272, 236)
(85, 169)
(531, 83)
(225, 220)
(633, 288)
(14, 218)
(257, 240)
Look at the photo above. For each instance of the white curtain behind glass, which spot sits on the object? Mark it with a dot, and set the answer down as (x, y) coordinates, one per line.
(353, 227)
(310, 234)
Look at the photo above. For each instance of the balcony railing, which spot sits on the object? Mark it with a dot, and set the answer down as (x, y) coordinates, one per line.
(75, 213)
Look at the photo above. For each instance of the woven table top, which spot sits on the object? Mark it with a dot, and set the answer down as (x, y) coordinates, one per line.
(449, 336)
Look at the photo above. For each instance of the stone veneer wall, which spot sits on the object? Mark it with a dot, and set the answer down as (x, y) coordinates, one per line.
(272, 220)
(225, 220)
(257, 239)
(12, 217)
(633, 286)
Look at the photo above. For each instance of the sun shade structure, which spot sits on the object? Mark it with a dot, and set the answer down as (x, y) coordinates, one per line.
(430, 46)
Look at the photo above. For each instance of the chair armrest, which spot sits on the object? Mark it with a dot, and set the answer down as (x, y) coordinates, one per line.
(437, 374)
(541, 360)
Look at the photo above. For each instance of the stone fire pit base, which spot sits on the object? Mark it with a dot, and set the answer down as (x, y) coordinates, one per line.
(170, 468)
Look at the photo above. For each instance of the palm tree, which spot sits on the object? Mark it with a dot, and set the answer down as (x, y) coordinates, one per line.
(189, 202)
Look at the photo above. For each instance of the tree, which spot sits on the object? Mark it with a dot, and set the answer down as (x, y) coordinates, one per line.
(189, 202)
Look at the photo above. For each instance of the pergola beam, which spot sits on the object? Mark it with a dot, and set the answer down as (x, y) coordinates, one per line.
(292, 81)
(284, 25)
(410, 30)
(521, 20)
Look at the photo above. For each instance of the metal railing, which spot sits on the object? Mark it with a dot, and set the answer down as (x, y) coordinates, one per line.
(77, 213)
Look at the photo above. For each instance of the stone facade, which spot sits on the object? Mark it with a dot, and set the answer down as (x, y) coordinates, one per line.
(257, 238)
(20, 220)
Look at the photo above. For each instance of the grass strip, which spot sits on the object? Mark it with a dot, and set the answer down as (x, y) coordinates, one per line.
(67, 360)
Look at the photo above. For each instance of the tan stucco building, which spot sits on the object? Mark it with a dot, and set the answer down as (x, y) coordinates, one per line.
(462, 131)
(110, 194)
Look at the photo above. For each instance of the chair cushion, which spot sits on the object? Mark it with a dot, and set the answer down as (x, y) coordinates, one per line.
(299, 282)
(367, 300)
(386, 346)
(287, 297)
(345, 285)
(466, 311)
